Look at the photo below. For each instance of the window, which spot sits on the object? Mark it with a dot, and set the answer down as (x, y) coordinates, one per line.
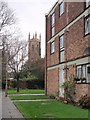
(88, 69)
(61, 8)
(88, 73)
(87, 3)
(61, 42)
(53, 24)
(53, 19)
(79, 72)
(32, 47)
(87, 25)
(52, 47)
(83, 72)
(53, 31)
(62, 56)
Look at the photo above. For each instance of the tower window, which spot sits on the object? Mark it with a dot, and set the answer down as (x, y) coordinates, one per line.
(32, 47)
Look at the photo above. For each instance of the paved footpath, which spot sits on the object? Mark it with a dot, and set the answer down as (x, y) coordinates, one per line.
(9, 110)
(0, 104)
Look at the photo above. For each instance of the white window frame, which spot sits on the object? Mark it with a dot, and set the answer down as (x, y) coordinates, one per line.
(61, 8)
(87, 25)
(52, 47)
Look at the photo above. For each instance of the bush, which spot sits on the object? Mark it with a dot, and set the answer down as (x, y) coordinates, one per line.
(84, 101)
(69, 87)
(52, 97)
(35, 84)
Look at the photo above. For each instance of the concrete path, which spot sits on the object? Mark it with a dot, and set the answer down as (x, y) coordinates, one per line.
(8, 109)
(0, 104)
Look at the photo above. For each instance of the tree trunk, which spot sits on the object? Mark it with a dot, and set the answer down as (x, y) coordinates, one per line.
(17, 83)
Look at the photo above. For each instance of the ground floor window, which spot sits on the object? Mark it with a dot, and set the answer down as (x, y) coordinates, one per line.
(83, 73)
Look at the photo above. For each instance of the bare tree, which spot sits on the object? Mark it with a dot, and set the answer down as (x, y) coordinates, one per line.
(7, 17)
(7, 20)
(13, 56)
(16, 58)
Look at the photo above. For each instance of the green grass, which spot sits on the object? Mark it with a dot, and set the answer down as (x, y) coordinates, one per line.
(53, 109)
(28, 97)
(26, 91)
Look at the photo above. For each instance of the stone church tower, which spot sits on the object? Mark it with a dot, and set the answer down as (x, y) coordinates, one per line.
(34, 48)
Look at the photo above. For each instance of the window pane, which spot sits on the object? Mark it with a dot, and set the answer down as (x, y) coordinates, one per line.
(84, 70)
(32, 47)
(79, 71)
(52, 47)
(88, 73)
(87, 3)
(53, 31)
(61, 8)
(61, 42)
(88, 70)
(62, 56)
(53, 19)
(87, 25)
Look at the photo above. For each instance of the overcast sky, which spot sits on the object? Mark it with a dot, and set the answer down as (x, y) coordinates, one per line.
(31, 16)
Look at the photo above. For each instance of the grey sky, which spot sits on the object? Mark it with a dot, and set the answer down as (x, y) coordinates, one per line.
(31, 16)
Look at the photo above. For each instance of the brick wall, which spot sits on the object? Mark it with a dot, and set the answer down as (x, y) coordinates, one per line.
(52, 83)
(82, 89)
(75, 44)
(75, 41)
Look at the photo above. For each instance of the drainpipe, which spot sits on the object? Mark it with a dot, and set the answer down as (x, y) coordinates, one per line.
(66, 40)
(46, 58)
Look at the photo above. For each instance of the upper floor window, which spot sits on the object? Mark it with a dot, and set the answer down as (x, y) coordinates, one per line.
(62, 52)
(52, 47)
(61, 8)
(53, 24)
(62, 42)
(53, 19)
(87, 3)
(87, 25)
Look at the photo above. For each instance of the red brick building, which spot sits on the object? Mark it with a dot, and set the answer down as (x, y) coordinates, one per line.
(68, 47)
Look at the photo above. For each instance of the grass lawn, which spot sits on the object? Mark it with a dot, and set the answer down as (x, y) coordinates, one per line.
(51, 109)
(28, 97)
(26, 91)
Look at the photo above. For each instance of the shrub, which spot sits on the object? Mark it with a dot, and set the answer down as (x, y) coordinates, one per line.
(84, 101)
(51, 96)
(69, 87)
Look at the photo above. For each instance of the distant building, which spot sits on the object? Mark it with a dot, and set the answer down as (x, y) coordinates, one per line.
(34, 48)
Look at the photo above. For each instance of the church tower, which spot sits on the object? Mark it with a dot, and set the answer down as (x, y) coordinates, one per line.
(34, 48)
